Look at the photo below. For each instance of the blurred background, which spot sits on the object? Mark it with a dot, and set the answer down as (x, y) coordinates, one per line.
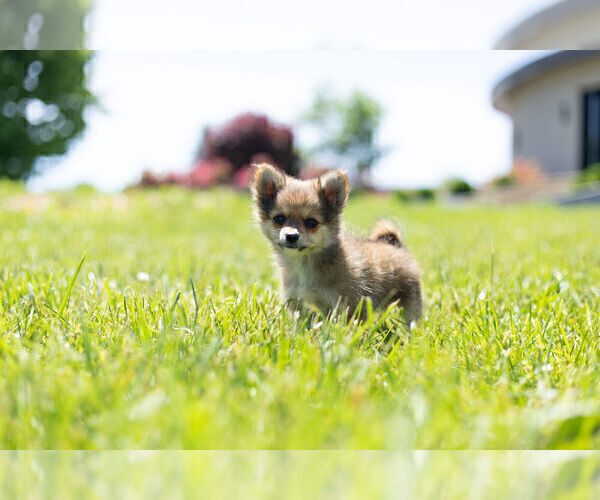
(409, 96)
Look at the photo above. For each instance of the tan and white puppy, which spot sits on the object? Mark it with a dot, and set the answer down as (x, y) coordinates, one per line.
(319, 263)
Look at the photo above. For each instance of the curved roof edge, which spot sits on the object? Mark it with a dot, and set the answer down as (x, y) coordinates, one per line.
(540, 21)
(536, 69)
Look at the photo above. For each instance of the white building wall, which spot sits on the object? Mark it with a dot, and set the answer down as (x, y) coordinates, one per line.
(548, 117)
(580, 33)
(565, 25)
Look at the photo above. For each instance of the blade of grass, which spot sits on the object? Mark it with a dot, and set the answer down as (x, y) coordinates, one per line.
(195, 300)
(67, 295)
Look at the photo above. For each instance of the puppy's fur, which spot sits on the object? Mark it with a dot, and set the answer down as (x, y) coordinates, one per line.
(320, 264)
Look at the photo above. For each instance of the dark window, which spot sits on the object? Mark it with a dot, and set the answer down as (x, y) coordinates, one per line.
(591, 127)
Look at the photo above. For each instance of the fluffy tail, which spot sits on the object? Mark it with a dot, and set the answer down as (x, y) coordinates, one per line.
(388, 232)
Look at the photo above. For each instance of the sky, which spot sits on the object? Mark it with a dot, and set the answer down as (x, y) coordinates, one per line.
(310, 24)
(201, 63)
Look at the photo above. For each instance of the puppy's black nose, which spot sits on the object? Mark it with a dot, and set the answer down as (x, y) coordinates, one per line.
(292, 237)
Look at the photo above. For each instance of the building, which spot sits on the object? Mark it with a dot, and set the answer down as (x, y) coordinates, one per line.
(554, 101)
(565, 25)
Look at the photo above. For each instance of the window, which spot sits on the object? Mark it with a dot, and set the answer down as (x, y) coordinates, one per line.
(591, 128)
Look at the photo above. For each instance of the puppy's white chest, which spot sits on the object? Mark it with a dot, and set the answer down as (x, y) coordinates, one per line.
(303, 285)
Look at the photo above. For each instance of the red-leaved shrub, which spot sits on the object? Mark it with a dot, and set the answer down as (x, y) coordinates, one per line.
(227, 153)
(248, 137)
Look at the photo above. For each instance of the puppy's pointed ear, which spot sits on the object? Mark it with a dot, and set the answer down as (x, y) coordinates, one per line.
(266, 183)
(333, 188)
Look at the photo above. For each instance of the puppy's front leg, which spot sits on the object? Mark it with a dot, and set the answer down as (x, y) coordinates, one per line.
(295, 305)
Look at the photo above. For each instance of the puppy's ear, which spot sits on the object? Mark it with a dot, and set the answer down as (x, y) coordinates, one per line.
(266, 183)
(333, 188)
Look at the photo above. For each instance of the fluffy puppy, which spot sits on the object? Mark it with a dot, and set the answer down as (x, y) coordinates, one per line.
(319, 263)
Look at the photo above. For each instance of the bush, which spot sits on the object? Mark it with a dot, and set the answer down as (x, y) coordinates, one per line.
(524, 172)
(590, 174)
(249, 138)
(402, 195)
(458, 186)
(415, 195)
(504, 181)
(227, 153)
(425, 194)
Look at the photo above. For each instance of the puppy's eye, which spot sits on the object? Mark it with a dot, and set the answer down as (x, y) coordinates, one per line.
(279, 219)
(311, 223)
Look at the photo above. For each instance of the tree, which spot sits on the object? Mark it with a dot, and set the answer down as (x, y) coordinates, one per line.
(227, 152)
(348, 128)
(47, 24)
(249, 135)
(43, 95)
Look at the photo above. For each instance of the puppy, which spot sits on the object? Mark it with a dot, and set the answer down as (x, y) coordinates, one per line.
(321, 265)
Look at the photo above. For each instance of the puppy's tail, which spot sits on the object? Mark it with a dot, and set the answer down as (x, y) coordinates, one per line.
(388, 232)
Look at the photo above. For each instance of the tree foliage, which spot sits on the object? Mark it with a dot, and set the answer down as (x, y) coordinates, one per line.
(227, 152)
(247, 136)
(47, 24)
(43, 95)
(347, 128)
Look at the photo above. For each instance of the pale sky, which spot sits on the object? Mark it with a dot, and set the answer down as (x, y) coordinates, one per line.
(309, 24)
(202, 63)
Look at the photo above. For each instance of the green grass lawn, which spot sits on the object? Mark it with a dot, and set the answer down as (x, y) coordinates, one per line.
(124, 352)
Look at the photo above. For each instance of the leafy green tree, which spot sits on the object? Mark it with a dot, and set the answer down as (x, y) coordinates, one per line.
(347, 128)
(43, 24)
(43, 95)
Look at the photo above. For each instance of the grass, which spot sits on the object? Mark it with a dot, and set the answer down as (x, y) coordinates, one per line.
(283, 474)
(153, 320)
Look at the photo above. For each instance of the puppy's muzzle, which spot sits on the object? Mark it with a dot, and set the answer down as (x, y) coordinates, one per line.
(290, 237)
